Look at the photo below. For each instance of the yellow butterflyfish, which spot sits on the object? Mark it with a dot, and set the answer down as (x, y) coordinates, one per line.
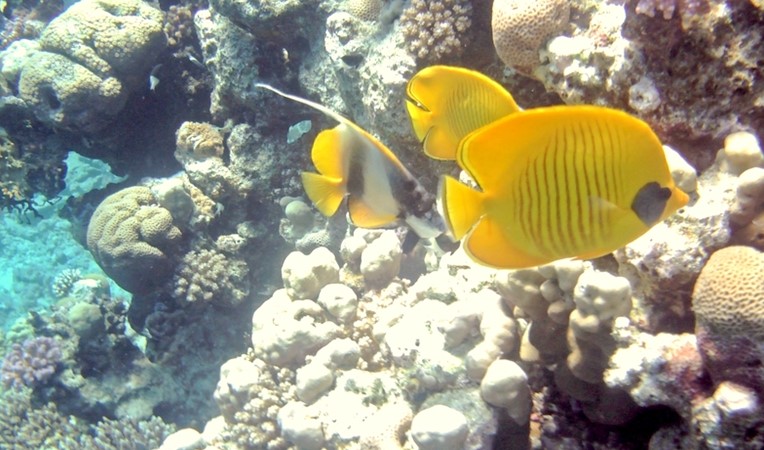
(558, 182)
(354, 165)
(446, 103)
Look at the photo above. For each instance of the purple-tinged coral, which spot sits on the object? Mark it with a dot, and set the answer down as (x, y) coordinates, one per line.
(32, 362)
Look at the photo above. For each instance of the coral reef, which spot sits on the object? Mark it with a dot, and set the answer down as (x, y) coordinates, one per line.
(436, 30)
(209, 276)
(521, 27)
(24, 426)
(615, 54)
(90, 57)
(728, 299)
(310, 334)
(34, 361)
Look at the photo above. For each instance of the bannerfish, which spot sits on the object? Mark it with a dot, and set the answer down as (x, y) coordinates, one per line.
(446, 103)
(558, 182)
(354, 165)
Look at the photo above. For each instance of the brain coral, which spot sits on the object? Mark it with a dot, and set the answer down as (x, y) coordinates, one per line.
(65, 94)
(92, 55)
(132, 237)
(520, 28)
(728, 300)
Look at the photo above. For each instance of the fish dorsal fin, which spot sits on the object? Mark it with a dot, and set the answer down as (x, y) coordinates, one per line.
(326, 155)
(346, 127)
(364, 216)
(325, 192)
(447, 103)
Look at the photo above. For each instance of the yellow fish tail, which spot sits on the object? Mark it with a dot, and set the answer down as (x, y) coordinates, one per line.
(462, 205)
(325, 192)
(447, 103)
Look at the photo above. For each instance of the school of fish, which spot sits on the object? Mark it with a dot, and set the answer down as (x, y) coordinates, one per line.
(552, 183)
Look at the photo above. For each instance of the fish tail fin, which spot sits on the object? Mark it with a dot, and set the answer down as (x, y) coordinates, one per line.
(462, 206)
(325, 192)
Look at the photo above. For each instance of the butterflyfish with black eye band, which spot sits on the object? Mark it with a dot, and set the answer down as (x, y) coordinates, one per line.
(553, 183)
(354, 165)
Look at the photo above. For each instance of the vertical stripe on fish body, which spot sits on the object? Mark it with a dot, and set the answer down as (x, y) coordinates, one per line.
(447, 103)
(558, 182)
(354, 165)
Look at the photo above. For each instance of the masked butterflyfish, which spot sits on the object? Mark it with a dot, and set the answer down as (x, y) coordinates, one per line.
(558, 182)
(447, 103)
(353, 164)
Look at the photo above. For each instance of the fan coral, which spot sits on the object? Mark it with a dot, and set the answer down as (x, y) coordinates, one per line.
(34, 361)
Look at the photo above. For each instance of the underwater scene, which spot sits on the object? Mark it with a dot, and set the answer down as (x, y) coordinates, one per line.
(381, 224)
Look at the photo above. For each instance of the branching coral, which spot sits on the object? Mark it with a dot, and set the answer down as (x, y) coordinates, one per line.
(31, 362)
(209, 276)
(64, 281)
(436, 29)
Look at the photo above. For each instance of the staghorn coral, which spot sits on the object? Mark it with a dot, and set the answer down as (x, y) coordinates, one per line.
(434, 30)
(30, 363)
(521, 27)
(728, 300)
(132, 239)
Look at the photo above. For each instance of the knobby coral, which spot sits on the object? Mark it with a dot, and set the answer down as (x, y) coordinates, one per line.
(436, 29)
(34, 361)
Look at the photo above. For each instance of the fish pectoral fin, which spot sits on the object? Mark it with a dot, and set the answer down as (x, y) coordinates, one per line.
(363, 215)
(489, 244)
(325, 192)
(462, 206)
